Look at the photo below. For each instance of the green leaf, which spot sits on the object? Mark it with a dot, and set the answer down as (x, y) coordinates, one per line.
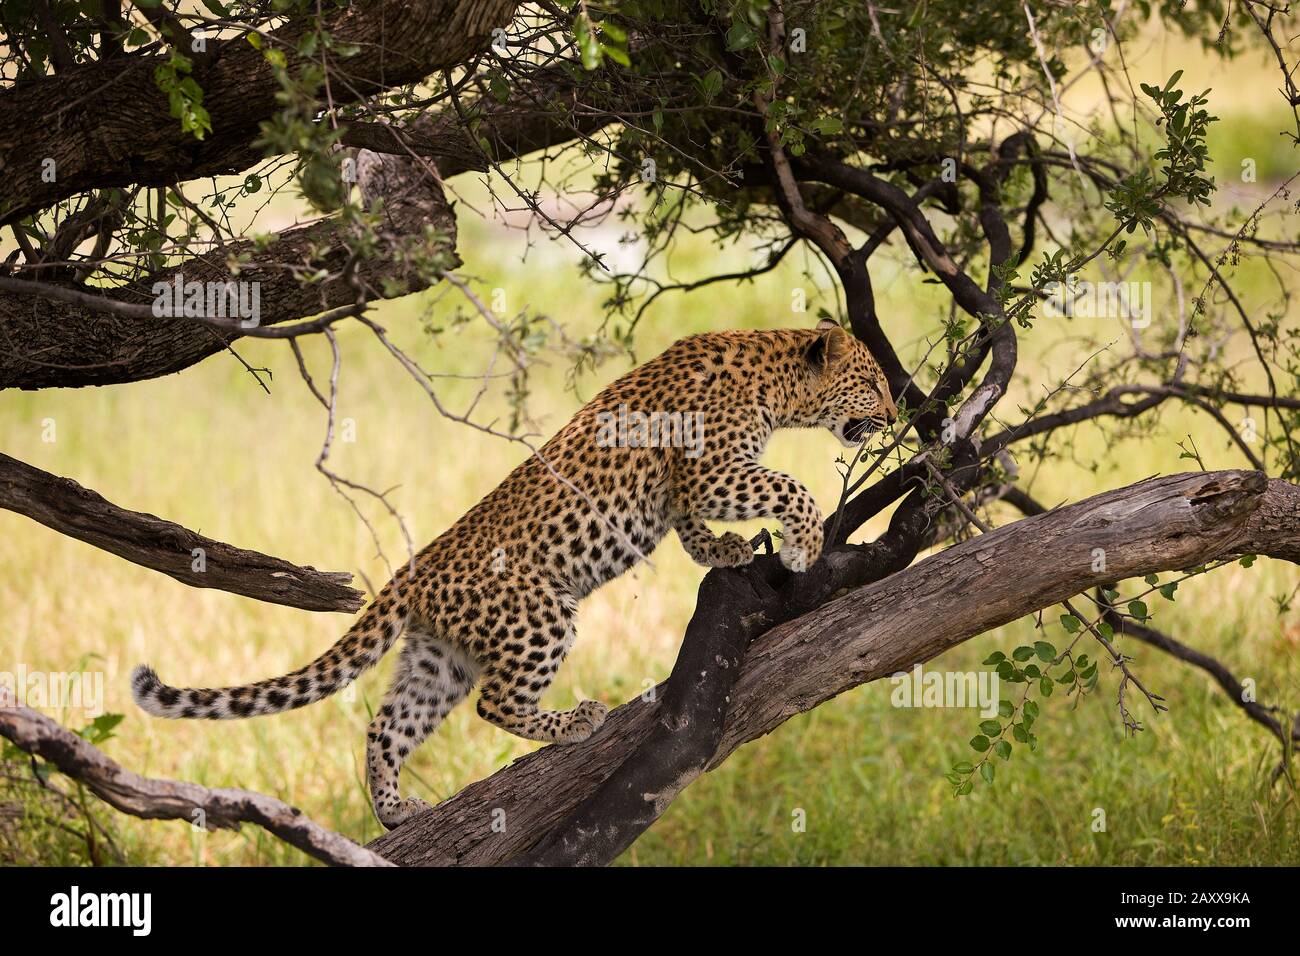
(1247, 560)
(1152, 579)
(740, 36)
(711, 84)
(996, 657)
(986, 771)
(1003, 749)
(101, 728)
(1005, 708)
(616, 53)
(1031, 709)
(1167, 590)
(588, 44)
(499, 87)
(1023, 653)
(612, 30)
(1138, 609)
(979, 743)
(1070, 623)
(963, 768)
(1045, 687)
(1046, 652)
(990, 727)
(826, 125)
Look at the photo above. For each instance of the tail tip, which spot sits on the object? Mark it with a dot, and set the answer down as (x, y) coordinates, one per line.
(145, 686)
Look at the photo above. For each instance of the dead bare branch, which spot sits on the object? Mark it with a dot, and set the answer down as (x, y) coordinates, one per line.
(154, 799)
(152, 542)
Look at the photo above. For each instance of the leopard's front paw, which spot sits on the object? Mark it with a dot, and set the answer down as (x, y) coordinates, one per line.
(800, 554)
(730, 551)
(587, 718)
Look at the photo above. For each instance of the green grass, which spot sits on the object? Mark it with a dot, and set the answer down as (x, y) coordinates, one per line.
(1190, 790)
(210, 450)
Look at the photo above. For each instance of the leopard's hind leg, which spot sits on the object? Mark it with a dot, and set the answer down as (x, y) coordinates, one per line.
(433, 676)
(528, 643)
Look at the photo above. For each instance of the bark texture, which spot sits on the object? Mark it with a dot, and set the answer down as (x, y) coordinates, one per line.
(108, 124)
(70, 509)
(49, 344)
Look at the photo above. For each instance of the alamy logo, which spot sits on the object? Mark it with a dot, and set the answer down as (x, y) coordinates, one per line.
(624, 428)
(209, 300)
(74, 908)
(922, 688)
(1110, 300)
(37, 689)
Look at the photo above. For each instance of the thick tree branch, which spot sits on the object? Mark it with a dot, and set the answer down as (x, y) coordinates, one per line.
(151, 542)
(108, 124)
(543, 110)
(46, 343)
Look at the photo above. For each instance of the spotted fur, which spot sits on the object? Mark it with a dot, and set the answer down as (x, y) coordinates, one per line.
(493, 600)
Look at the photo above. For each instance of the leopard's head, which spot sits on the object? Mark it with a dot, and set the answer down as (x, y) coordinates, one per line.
(850, 395)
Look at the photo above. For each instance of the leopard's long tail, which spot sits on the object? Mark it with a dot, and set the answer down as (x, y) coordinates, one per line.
(374, 632)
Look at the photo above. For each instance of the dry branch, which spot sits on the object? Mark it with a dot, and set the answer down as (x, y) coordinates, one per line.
(152, 542)
(151, 799)
(1162, 524)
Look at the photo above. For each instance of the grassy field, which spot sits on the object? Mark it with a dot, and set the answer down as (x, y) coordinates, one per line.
(211, 450)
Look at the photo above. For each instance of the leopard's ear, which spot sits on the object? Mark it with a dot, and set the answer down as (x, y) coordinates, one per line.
(829, 348)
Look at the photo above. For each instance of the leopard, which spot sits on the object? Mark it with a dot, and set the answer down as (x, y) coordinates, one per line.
(671, 445)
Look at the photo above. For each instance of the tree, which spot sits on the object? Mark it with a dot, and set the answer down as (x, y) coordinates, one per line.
(935, 135)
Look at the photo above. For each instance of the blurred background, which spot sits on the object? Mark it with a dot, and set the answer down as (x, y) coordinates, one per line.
(212, 451)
